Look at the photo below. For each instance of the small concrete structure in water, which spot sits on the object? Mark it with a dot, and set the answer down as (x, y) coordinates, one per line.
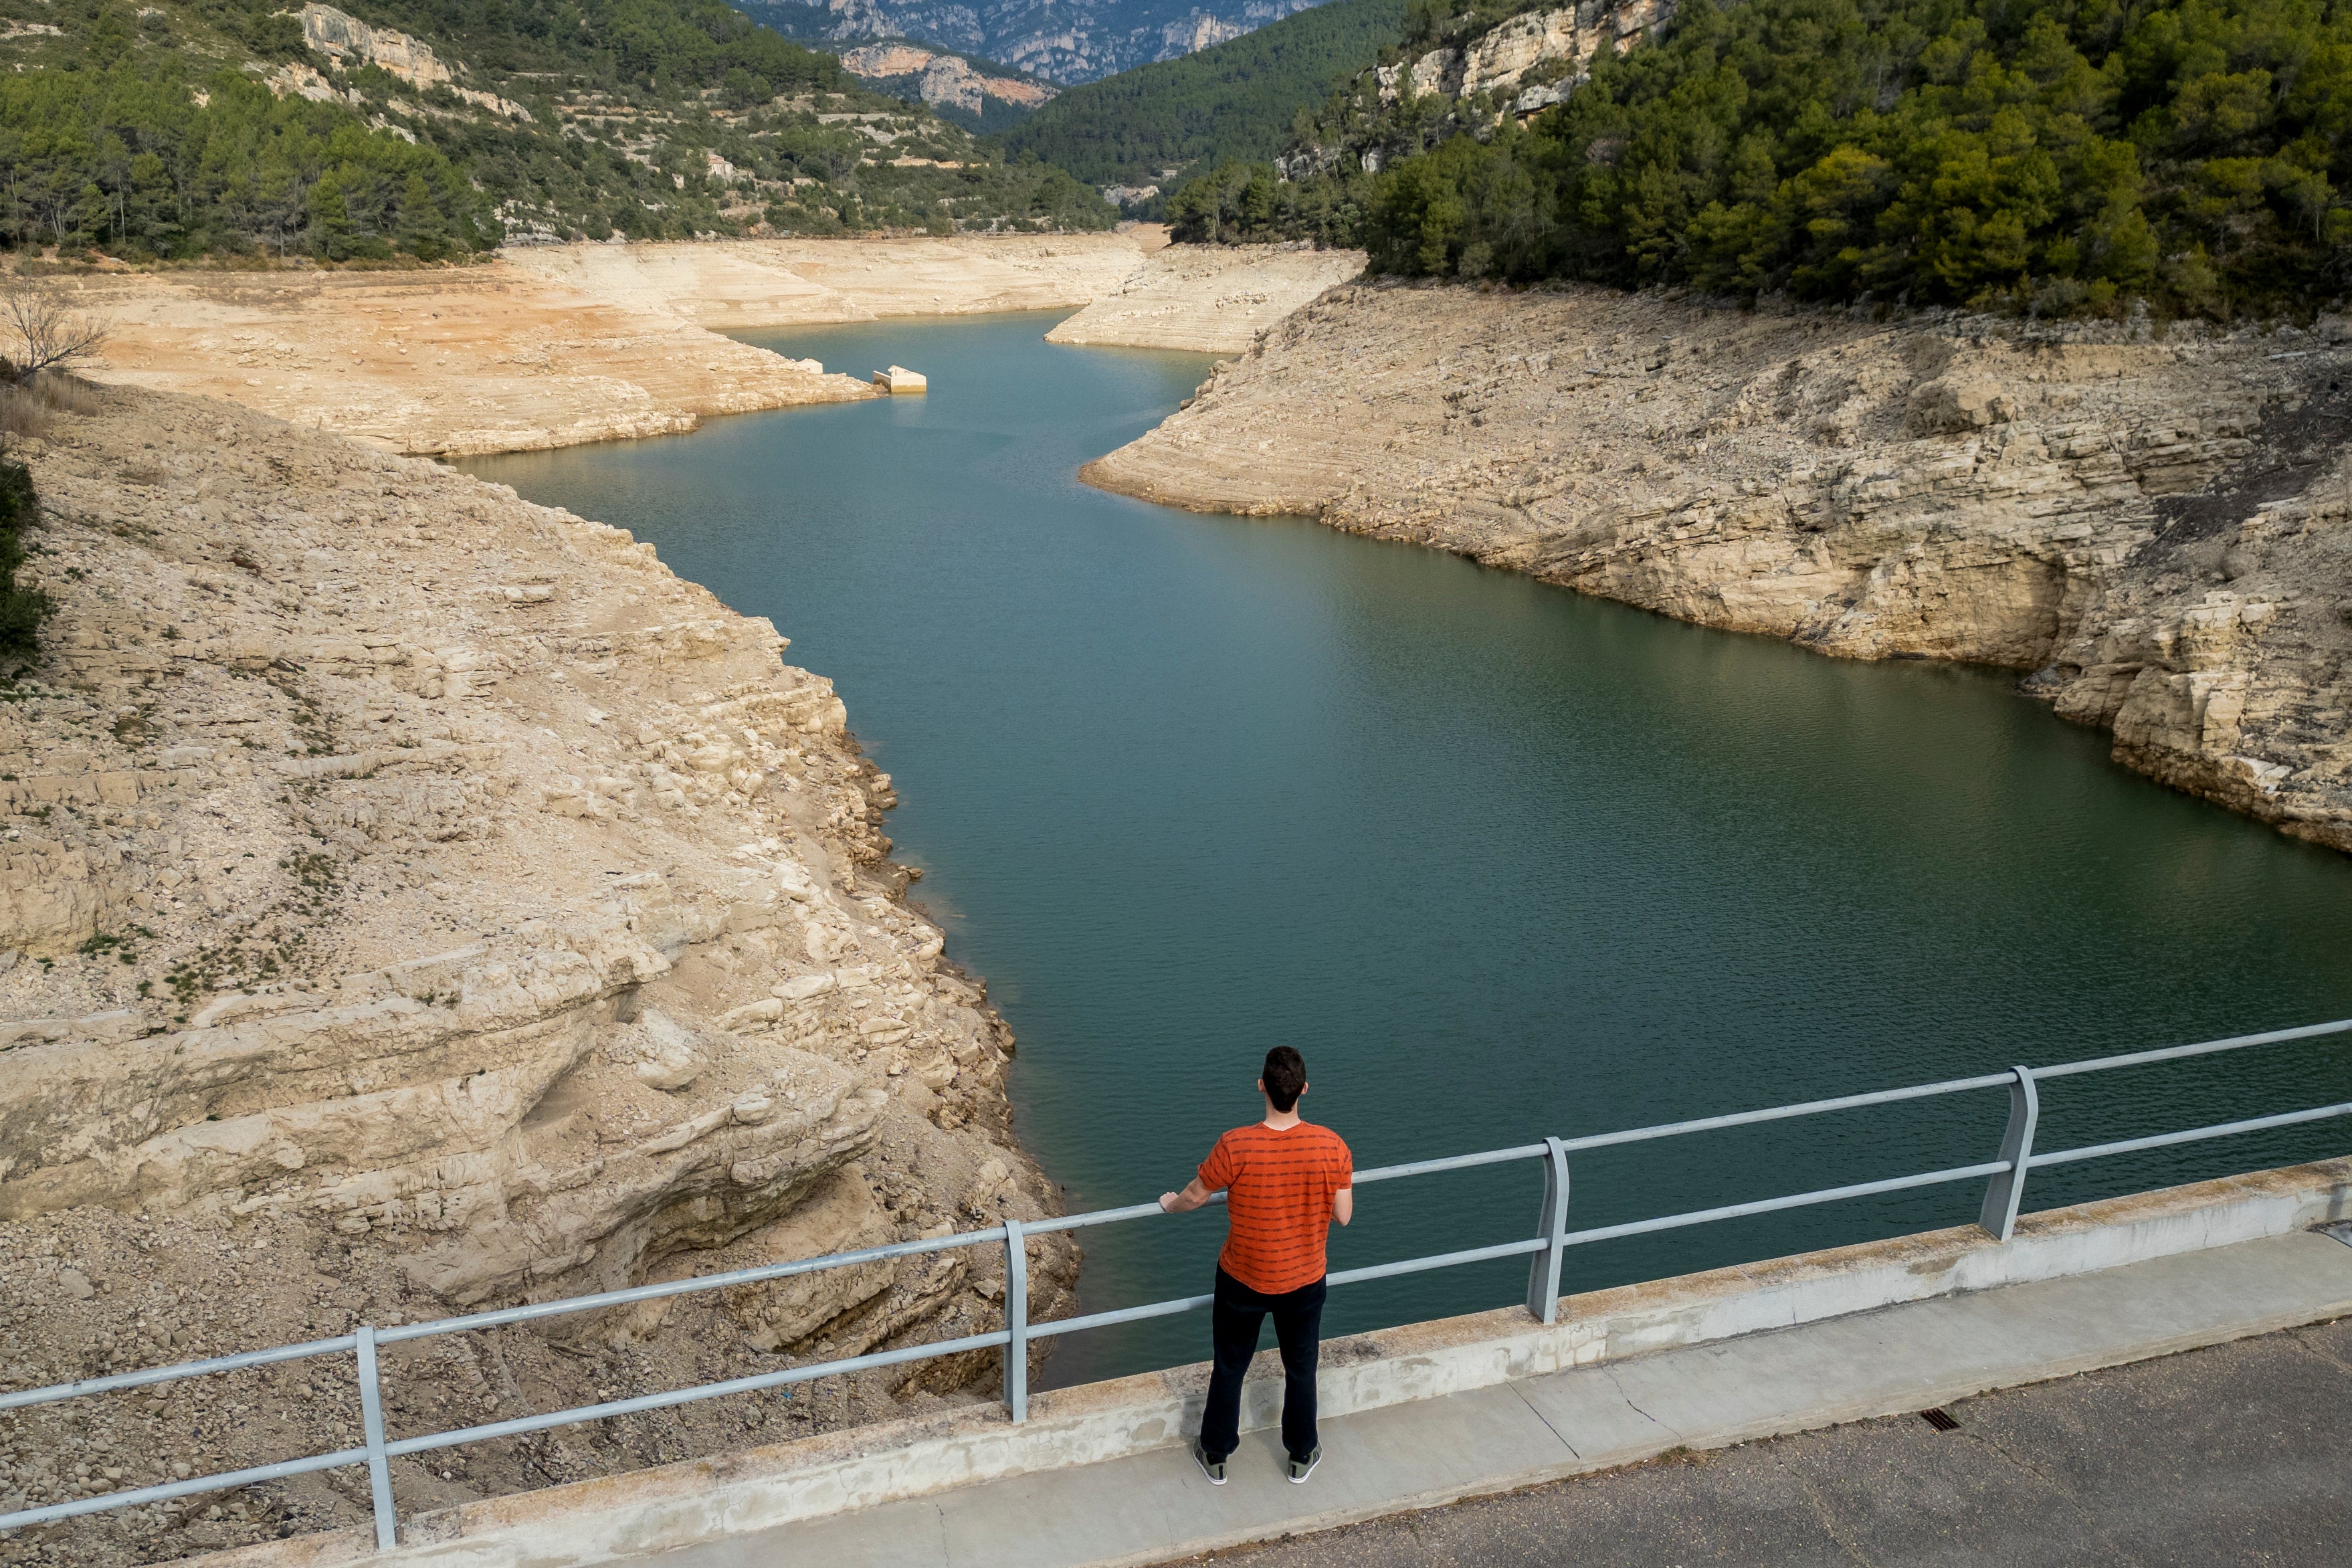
(898, 380)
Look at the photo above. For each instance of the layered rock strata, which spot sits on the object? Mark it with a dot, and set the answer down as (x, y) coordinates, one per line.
(2157, 527)
(1210, 298)
(413, 898)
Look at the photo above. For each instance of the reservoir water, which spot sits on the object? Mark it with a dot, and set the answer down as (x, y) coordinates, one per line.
(1503, 861)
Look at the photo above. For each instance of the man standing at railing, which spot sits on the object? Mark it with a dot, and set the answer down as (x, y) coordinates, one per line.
(1285, 1180)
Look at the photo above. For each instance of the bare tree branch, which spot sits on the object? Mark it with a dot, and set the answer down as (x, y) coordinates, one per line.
(45, 335)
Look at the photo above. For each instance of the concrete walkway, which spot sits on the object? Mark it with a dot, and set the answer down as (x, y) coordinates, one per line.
(1156, 1507)
(2228, 1456)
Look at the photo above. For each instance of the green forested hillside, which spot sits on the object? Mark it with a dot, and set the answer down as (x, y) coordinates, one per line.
(2055, 158)
(126, 158)
(1238, 100)
(210, 127)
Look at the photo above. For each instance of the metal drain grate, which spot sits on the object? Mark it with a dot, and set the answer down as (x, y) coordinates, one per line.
(1941, 1420)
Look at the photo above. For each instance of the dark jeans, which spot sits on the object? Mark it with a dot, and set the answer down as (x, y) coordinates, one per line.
(1235, 1322)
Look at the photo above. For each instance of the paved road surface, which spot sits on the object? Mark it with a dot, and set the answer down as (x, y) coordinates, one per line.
(2238, 1454)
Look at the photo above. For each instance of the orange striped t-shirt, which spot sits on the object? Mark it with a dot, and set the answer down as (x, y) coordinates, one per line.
(1280, 1186)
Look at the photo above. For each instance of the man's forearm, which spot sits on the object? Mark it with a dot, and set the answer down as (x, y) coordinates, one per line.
(1194, 1196)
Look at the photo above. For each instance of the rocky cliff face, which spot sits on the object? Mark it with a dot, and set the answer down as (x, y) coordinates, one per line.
(1531, 60)
(2159, 528)
(350, 43)
(1484, 69)
(943, 81)
(411, 898)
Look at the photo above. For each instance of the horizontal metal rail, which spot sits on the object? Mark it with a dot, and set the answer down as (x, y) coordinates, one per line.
(2204, 1048)
(1782, 1113)
(2007, 1176)
(675, 1396)
(1120, 1315)
(1100, 1216)
(1451, 1163)
(121, 1380)
(1443, 1260)
(2194, 1135)
(636, 1293)
(1793, 1201)
(226, 1480)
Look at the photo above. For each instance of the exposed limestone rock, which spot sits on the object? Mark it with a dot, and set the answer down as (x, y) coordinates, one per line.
(1215, 298)
(1505, 56)
(946, 81)
(2159, 528)
(556, 345)
(413, 898)
(347, 41)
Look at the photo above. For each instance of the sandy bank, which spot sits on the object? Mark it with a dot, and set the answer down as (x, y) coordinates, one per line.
(484, 360)
(1213, 298)
(784, 282)
(556, 346)
(2159, 531)
(411, 897)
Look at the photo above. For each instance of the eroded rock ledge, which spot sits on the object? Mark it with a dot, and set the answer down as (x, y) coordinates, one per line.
(415, 899)
(2158, 529)
(1211, 298)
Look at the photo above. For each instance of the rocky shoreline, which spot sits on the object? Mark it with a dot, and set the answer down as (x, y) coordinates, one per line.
(415, 899)
(2156, 527)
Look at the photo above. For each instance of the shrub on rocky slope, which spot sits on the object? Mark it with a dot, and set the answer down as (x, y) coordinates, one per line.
(22, 610)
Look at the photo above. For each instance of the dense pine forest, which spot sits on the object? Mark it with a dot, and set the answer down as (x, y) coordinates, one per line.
(2056, 159)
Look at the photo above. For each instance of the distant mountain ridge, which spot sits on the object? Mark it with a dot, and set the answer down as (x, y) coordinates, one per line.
(1139, 133)
(1061, 41)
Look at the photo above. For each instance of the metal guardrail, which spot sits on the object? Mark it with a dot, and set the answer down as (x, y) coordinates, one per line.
(2006, 1176)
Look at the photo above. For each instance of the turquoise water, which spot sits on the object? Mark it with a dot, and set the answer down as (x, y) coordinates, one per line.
(1501, 861)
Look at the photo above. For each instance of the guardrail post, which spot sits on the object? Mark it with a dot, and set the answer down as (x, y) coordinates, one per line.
(2007, 1189)
(387, 1527)
(1543, 1269)
(1016, 1320)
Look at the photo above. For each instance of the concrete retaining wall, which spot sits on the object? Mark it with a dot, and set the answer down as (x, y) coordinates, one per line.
(672, 1505)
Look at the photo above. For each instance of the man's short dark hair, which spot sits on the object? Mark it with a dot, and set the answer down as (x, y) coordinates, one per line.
(1286, 1076)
